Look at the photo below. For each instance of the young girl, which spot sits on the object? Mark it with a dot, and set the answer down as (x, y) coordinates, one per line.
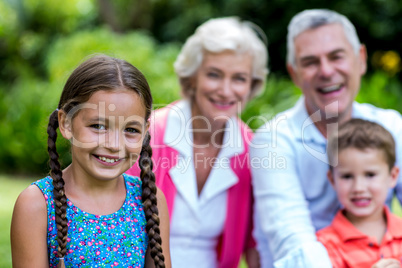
(91, 214)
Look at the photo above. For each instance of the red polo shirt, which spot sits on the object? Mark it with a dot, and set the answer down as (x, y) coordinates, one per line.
(348, 247)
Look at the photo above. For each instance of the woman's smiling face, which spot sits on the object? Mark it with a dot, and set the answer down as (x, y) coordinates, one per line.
(222, 85)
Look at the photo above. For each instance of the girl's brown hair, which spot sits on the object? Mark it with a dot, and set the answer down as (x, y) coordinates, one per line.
(105, 73)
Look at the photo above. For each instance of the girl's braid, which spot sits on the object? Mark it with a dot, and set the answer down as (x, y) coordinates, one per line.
(60, 199)
(150, 203)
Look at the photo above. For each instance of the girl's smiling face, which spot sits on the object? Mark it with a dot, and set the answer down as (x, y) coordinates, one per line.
(106, 133)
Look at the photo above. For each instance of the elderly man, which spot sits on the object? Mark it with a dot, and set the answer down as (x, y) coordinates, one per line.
(293, 196)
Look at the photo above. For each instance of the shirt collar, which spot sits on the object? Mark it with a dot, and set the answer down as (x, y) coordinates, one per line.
(362, 111)
(303, 124)
(347, 231)
(178, 133)
(394, 224)
(178, 123)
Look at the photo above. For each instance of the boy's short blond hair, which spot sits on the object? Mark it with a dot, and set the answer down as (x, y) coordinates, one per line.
(361, 134)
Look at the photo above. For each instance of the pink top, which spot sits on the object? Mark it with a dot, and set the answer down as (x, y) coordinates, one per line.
(237, 234)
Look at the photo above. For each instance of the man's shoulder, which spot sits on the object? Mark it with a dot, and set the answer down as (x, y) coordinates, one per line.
(369, 111)
(389, 118)
(283, 127)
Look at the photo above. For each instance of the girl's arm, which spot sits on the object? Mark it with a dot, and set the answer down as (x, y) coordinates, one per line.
(29, 230)
(164, 229)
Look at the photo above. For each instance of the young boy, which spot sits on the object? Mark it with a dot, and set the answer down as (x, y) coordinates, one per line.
(364, 233)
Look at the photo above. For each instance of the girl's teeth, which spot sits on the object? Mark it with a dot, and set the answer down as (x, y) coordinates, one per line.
(107, 159)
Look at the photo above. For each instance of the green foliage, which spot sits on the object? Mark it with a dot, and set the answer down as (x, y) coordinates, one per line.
(27, 29)
(378, 22)
(8, 20)
(279, 94)
(23, 125)
(154, 61)
(42, 41)
(381, 90)
(26, 105)
(51, 17)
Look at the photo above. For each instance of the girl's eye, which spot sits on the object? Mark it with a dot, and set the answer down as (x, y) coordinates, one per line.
(98, 126)
(132, 130)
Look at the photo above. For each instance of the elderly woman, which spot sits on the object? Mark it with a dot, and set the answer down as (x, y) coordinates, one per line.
(200, 146)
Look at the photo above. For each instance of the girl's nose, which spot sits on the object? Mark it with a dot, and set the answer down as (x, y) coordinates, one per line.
(113, 140)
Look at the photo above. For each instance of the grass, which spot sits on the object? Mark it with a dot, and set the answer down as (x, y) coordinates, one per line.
(9, 191)
(12, 187)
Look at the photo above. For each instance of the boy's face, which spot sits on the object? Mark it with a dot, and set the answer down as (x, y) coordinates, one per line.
(362, 180)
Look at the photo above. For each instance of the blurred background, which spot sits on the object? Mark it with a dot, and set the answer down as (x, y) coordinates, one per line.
(42, 41)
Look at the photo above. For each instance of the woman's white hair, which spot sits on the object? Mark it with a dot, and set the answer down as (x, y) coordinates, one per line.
(314, 18)
(218, 35)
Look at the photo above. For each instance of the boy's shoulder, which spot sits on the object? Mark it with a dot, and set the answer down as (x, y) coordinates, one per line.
(388, 118)
(394, 223)
(328, 235)
(340, 230)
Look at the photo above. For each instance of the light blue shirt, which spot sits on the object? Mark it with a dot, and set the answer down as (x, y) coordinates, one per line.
(293, 196)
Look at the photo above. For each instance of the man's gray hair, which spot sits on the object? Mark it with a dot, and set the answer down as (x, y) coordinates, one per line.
(314, 18)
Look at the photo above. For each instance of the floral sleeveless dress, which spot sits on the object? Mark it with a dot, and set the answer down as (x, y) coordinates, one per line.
(115, 240)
